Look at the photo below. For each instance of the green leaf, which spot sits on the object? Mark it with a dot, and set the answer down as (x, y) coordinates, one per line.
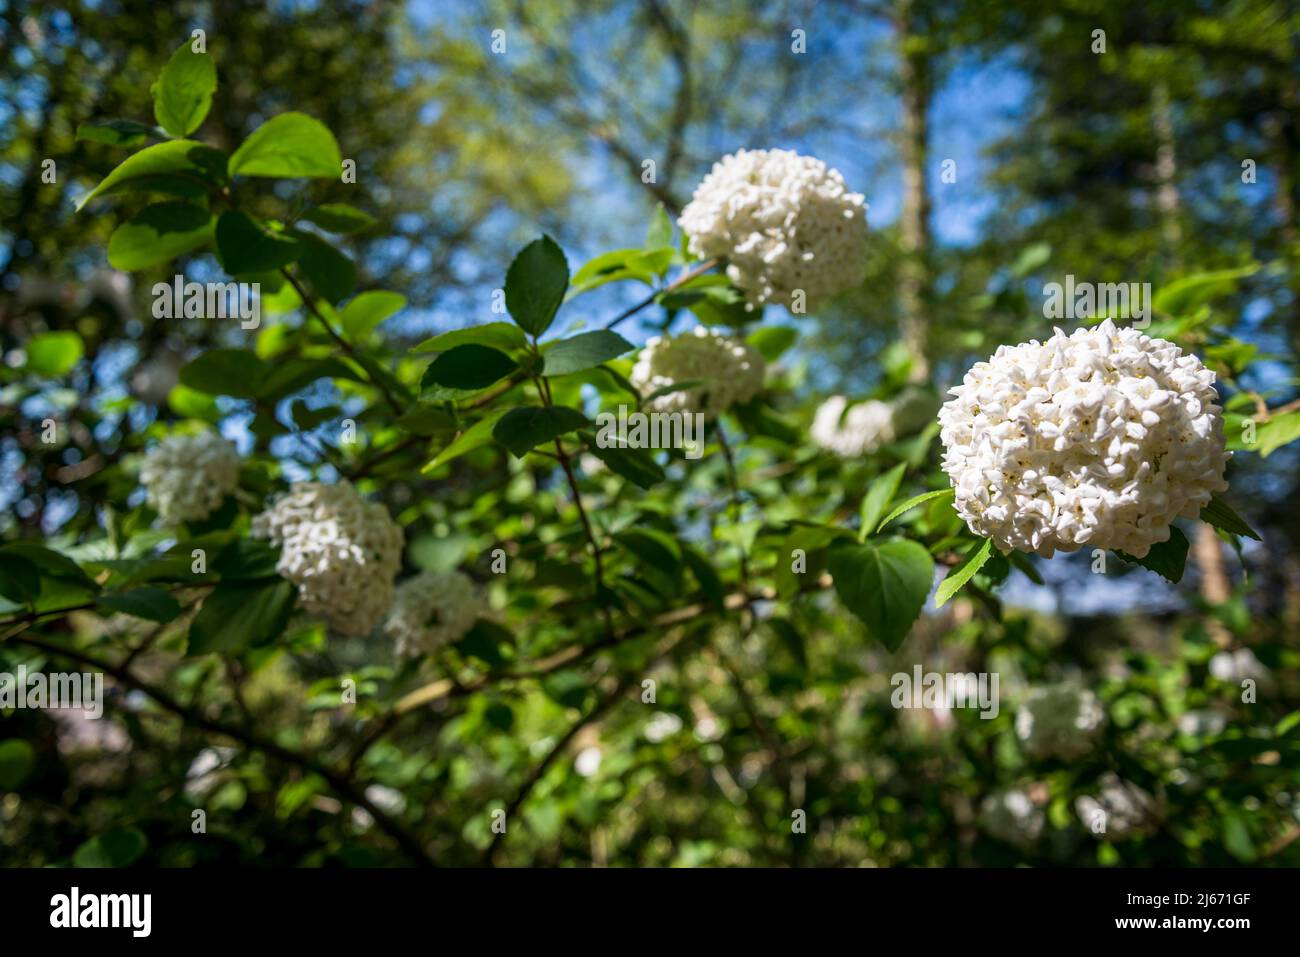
(50, 564)
(245, 247)
(498, 335)
(286, 377)
(117, 132)
(963, 572)
(654, 548)
(468, 367)
(773, 341)
(635, 465)
(159, 233)
(813, 542)
(877, 499)
(17, 758)
(183, 160)
(151, 604)
(612, 267)
(1221, 515)
(521, 430)
(360, 316)
(1167, 558)
(535, 285)
(660, 232)
(339, 218)
(183, 93)
(706, 576)
(19, 579)
(332, 274)
(53, 354)
(233, 372)
(1236, 838)
(1278, 431)
(239, 615)
(584, 351)
(1188, 293)
(475, 437)
(290, 145)
(912, 503)
(424, 420)
(120, 847)
(884, 585)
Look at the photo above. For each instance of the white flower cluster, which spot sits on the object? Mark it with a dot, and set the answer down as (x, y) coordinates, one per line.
(1121, 809)
(782, 222)
(1099, 438)
(1059, 721)
(1234, 667)
(728, 370)
(340, 550)
(866, 426)
(1012, 816)
(863, 429)
(434, 609)
(186, 477)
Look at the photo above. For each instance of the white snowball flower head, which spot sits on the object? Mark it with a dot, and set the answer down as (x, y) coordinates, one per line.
(1099, 438)
(186, 477)
(728, 369)
(340, 550)
(1121, 809)
(782, 222)
(1059, 721)
(864, 428)
(434, 609)
(1012, 816)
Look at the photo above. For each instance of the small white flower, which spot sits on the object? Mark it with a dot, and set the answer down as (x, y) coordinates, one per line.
(1201, 724)
(783, 222)
(1234, 667)
(663, 725)
(434, 609)
(863, 429)
(587, 763)
(728, 371)
(1012, 816)
(1059, 721)
(1120, 810)
(186, 477)
(1099, 438)
(340, 550)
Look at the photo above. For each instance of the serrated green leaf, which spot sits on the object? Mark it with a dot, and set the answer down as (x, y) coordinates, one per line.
(1167, 558)
(963, 571)
(182, 95)
(476, 436)
(583, 351)
(184, 159)
(535, 285)
(912, 503)
(245, 247)
(290, 145)
(885, 585)
(521, 430)
(877, 499)
(159, 233)
(1222, 515)
(468, 367)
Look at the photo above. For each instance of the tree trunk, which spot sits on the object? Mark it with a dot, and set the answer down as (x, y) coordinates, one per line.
(1215, 586)
(915, 82)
